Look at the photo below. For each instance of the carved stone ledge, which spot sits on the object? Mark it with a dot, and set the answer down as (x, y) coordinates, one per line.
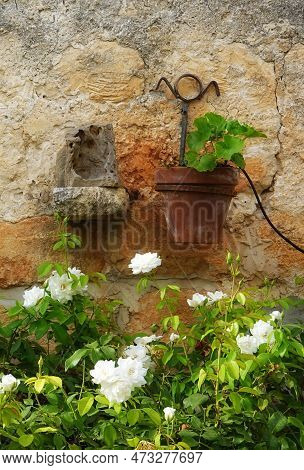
(90, 203)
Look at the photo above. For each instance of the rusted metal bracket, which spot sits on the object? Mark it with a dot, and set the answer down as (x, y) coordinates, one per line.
(201, 91)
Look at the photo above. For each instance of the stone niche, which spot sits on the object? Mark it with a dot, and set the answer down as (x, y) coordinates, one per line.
(87, 183)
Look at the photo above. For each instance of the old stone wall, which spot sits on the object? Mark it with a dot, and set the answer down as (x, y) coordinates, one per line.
(71, 63)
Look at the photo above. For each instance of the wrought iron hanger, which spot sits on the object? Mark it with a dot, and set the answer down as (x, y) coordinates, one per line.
(201, 91)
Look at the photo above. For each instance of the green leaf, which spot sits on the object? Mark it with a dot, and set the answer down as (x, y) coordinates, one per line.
(236, 401)
(15, 310)
(202, 126)
(58, 245)
(201, 378)
(40, 327)
(175, 322)
(133, 416)
(53, 380)
(241, 298)
(277, 422)
(262, 403)
(233, 369)
(45, 429)
(133, 442)
(43, 304)
(195, 400)
(229, 146)
(196, 140)
(222, 373)
(252, 391)
(39, 384)
(153, 415)
(109, 435)
(44, 268)
(61, 333)
(85, 404)
(167, 356)
(210, 435)
(236, 128)
(218, 123)
(238, 159)
(26, 439)
(206, 163)
(59, 268)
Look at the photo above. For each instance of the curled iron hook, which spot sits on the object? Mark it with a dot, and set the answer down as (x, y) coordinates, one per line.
(201, 91)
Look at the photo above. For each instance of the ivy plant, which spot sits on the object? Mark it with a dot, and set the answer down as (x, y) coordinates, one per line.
(216, 141)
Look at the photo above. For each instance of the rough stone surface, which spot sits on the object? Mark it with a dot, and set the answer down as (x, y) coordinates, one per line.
(86, 203)
(88, 158)
(65, 64)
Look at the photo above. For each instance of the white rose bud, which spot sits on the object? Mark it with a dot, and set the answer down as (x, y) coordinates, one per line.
(169, 413)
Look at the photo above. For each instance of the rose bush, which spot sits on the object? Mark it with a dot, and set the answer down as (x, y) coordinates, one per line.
(231, 378)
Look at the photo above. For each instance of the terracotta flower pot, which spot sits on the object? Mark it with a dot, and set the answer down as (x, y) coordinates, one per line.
(196, 204)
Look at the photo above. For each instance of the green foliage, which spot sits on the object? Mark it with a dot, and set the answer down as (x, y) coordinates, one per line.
(224, 399)
(216, 141)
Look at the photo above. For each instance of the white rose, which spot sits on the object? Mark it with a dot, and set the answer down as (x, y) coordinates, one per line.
(173, 337)
(143, 340)
(144, 263)
(263, 332)
(197, 300)
(60, 287)
(247, 344)
(276, 315)
(117, 392)
(32, 296)
(104, 371)
(169, 413)
(79, 289)
(216, 296)
(140, 353)
(8, 383)
(132, 371)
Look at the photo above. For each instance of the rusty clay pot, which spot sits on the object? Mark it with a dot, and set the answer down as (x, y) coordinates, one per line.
(196, 204)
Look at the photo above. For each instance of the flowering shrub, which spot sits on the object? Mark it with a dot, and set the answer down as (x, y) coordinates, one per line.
(70, 379)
